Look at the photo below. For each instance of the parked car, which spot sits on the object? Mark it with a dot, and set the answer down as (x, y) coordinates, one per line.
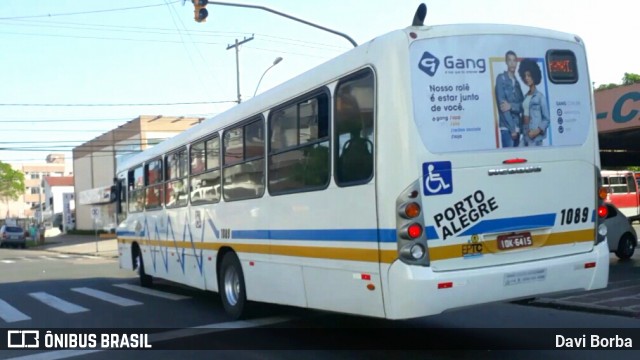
(12, 235)
(621, 236)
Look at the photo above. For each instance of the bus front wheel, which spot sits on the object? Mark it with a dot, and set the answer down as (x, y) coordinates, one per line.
(145, 280)
(232, 288)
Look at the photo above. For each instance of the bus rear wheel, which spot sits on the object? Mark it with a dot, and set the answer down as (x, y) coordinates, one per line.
(232, 288)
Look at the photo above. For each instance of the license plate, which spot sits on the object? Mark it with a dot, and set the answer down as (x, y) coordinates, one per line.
(515, 241)
(524, 277)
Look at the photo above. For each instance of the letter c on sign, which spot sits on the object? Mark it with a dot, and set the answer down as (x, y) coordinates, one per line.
(617, 108)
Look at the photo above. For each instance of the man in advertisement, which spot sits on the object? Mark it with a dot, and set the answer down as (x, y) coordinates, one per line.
(509, 101)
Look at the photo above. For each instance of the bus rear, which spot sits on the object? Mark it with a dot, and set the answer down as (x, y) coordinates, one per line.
(504, 202)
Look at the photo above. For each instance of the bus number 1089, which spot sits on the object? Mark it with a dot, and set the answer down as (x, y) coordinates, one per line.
(574, 216)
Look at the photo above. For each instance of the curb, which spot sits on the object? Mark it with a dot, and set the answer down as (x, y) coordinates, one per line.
(86, 254)
(115, 256)
(571, 305)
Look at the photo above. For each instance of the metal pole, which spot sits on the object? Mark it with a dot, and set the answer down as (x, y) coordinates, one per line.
(40, 201)
(95, 227)
(238, 71)
(237, 47)
(287, 16)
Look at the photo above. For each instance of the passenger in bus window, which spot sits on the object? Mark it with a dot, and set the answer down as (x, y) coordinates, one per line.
(509, 101)
(197, 165)
(536, 111)
(355, 159)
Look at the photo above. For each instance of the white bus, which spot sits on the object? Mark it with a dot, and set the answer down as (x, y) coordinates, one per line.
(377, 183)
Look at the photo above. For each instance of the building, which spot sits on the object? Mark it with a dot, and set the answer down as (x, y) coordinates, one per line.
(618, 113)
(28, 204)
(55, 189)
(94, 162)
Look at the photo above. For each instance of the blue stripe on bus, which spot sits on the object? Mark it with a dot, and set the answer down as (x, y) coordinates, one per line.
(127, 233)
(385, 235)
(431, 233)
(511, 224)
(364, 235)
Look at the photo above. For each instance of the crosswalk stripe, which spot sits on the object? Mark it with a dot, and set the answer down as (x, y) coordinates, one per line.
(57, 303)
(114, 299)
(10, 314)
(8, 261)
(45, 257)
(152, 292)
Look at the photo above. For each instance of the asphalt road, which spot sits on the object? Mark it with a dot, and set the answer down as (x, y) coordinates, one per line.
(48, 290)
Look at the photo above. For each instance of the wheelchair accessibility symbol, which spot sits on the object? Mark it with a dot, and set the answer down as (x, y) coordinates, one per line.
(437, 178)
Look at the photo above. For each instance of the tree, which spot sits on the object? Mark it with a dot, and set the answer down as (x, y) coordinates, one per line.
(630, 78)
(11, 183)
(607, 86)
(627, 79)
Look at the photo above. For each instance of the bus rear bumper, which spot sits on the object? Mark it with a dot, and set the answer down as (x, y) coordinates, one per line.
(419, 291)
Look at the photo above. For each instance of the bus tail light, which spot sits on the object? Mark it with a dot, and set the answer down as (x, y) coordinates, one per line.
(602, 211)
(601, 208)
(410, 210)
(410, 229)
(602, 193)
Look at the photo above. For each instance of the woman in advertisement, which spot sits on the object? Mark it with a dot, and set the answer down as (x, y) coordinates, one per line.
(536, 111)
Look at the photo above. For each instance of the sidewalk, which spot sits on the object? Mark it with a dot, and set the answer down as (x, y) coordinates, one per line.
(80, 244)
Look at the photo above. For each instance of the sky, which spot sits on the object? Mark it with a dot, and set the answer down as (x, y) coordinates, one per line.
(72, 70)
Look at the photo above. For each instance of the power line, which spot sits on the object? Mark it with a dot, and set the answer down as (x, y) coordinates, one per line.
(85, 131)
(62, 120)
(157, 41)
(41, 120)
(167, 31)
(114, 104)
(83, 12)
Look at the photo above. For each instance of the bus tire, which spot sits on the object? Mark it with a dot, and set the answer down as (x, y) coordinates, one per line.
(145, 280)
(626, 247)
(232, 287)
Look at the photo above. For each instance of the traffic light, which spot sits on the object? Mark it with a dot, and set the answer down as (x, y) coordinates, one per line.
(200, 13)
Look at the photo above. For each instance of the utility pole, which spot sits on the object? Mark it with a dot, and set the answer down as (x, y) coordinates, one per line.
(237, 47)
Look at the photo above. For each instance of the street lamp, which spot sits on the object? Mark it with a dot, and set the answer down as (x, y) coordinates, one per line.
(275, 62)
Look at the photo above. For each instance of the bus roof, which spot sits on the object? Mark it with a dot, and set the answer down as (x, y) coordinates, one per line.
(348, 62)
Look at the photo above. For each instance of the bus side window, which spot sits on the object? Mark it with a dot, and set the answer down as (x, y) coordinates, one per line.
(154, 182)
(631, 183)
(354, 137)
(243, 167)
(136, 189)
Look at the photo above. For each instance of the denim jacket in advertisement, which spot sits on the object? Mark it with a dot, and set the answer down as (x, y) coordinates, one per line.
(538, 116)
(507, 91)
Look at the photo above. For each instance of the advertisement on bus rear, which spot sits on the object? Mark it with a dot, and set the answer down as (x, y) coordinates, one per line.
(498, 92)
